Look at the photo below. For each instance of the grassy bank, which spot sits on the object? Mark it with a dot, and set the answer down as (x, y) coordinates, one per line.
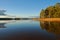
(47, 19)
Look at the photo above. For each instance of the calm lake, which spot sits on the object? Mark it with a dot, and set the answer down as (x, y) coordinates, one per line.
(29, 30)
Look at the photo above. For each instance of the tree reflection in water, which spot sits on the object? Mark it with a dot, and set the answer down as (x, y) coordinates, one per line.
(3, 22)
(53, 27)
(2, 25)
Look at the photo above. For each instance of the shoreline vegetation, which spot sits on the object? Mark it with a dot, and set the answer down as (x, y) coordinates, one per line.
(48, 19)
(51, 13)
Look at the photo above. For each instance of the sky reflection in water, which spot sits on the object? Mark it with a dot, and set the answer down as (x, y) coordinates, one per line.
(29, 30)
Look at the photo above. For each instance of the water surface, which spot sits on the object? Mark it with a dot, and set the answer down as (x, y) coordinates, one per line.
(29, 30)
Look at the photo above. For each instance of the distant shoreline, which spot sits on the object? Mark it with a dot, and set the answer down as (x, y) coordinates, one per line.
(9, 18)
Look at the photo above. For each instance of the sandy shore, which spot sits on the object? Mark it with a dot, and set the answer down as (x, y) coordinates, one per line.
(47, 19)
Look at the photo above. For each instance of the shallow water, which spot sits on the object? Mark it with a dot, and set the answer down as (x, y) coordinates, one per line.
(29, 30)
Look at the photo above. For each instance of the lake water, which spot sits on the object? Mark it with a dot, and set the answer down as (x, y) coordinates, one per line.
(29, 30)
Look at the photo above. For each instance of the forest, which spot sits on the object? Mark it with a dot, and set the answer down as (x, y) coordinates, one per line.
(51, 11)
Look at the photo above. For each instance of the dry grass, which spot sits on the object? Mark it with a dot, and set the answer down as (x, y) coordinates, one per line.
(47, 19)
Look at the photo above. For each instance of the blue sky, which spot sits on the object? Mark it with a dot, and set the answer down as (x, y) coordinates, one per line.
(25, 8)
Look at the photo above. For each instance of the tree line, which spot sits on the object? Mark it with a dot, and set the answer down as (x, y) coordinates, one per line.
(51, 11)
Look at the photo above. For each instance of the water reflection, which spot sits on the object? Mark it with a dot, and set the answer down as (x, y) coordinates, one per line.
(51, 27)
(2, 25)
(28, 30)
(3, 22)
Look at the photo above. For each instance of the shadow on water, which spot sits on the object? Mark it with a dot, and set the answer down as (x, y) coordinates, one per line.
(51, 27)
